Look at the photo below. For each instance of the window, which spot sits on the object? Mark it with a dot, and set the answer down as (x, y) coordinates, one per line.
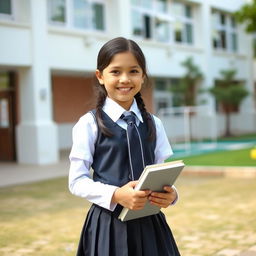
(224, 35)
(150, 19)
(162, 30)
(57, 11)
(162, 94)
(176, 97)
(162, 103)
(141, 24)
(82, 14)
(254, 47)
(233, 34)
(6, 8)
(183, 24)
(161, 84)
(143, 3)
(137, 23)
(4, 81)
(98, 16)
(162, 5)
(167, 93)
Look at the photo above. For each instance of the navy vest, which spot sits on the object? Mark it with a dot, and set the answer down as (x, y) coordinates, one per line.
(110, 161)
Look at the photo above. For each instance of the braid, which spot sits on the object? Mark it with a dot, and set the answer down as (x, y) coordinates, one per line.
(146, 116)
(102, 94)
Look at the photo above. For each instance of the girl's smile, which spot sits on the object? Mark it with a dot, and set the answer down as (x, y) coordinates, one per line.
(122, 78)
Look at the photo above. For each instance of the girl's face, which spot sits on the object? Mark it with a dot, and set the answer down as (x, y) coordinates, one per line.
(122, 78)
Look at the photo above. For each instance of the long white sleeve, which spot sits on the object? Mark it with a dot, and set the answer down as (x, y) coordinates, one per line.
(81, 184)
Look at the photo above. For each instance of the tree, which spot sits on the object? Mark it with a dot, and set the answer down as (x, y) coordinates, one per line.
(187, 88)
(247, 14)
(229, 94)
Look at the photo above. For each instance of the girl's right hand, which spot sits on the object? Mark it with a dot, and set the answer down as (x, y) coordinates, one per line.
(129, 198)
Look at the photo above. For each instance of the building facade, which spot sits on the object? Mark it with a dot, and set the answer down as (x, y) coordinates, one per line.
(48, 55)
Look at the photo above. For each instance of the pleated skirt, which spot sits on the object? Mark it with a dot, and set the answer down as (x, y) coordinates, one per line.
(103, 234)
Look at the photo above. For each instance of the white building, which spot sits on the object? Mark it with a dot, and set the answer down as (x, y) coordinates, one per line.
(48, 55)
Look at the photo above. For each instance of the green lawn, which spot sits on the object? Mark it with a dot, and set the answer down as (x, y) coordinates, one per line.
(44, 219)
(250, 136)
(244, 137)
(222, 158)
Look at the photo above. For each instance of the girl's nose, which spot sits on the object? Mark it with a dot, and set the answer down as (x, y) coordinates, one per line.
(124, 79)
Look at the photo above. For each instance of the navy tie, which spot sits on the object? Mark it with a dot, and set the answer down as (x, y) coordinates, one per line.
(135, 148)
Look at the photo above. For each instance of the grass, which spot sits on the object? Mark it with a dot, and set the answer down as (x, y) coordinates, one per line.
(40, 219)
(245, 137)
(222, 158)
(213, 213)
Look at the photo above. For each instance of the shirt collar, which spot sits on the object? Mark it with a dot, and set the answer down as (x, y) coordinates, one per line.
(135, 109)
(110, 104)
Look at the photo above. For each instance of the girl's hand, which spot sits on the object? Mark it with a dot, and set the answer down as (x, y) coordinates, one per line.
(127, 197)
(163, 199)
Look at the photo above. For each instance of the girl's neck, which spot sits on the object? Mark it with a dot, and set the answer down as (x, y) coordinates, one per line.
(125, 105)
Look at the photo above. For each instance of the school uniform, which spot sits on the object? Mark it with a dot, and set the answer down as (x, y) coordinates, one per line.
(103, 234)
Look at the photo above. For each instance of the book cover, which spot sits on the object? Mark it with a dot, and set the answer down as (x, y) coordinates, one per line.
(154, 177)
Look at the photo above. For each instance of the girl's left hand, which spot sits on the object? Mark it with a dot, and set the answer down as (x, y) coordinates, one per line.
(163, 199)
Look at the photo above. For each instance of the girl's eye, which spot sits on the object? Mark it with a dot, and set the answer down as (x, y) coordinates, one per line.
(115, 72)
(134, 71)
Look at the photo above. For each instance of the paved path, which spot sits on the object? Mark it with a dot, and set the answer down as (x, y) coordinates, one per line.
(13, 173)
(231, 252)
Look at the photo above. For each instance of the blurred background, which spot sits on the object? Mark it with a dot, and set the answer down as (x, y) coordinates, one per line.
(200, 62)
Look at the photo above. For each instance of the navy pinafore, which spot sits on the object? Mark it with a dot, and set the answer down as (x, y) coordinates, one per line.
(103, 234)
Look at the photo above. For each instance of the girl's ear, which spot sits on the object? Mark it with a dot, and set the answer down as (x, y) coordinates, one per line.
(143, 79)
(99, 76)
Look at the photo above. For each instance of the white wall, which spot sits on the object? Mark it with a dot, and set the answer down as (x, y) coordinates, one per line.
(65, 135)
(15, 45)
(73, 51)
(227, 5)
(207, 126)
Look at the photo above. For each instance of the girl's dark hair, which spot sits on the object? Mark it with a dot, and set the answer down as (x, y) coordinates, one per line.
(105, 56)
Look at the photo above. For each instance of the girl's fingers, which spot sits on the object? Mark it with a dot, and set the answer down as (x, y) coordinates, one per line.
(138, 204)
(160, 202)
(170, 193)
(159, 195)
(143, 193)
(132, 183)
(157, 200)
(169, 189)
(163, 199)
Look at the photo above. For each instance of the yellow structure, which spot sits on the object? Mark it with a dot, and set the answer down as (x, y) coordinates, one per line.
(253, 153)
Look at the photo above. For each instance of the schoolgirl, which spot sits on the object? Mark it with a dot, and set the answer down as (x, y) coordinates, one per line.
(100, 141)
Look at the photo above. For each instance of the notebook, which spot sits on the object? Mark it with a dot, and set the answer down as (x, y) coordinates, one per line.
(154, 177)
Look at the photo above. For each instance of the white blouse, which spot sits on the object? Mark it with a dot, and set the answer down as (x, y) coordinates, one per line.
(84, 135)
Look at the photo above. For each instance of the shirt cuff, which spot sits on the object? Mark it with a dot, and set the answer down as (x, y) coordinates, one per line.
(109, 205)
(177, 195)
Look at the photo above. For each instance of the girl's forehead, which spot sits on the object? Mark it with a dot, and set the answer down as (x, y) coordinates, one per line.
(124, 58)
